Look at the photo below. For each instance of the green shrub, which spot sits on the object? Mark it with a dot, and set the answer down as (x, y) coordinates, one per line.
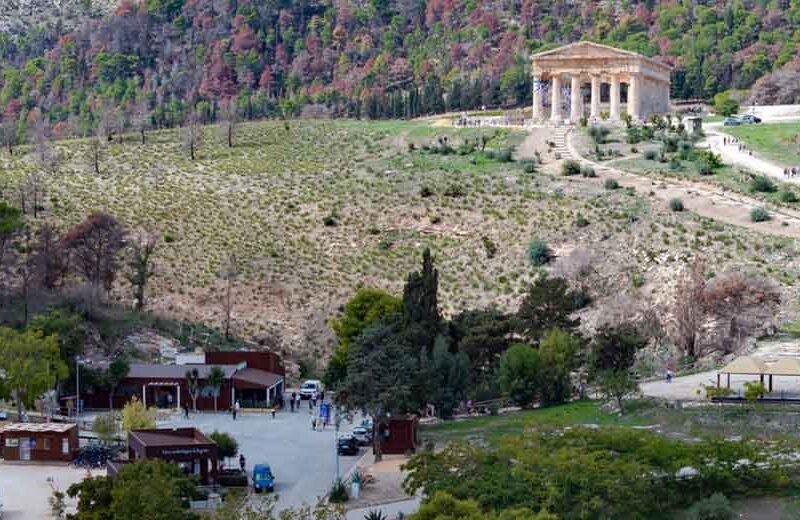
(599, 134)
(529, 166)
(426, 191)
(570, 167)
(455, 191)
(330, 220)
(538, 252)
(581, 221)
(338, 493)
(704, 167)
(676, 204)
(650, 154)
(611, 184)
(760, 215)
(715, 507)
(489, 246)
(587, 171)
(788, 196)
(675, 164)
(762, 184)
(633, 136)
(503, 155)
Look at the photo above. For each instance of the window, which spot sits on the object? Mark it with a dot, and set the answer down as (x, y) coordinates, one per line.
(64, 446)
(46, 443)
(12, 442)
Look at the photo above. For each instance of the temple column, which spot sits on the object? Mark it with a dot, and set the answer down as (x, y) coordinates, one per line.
(576, 106)
(538, 112)
(555, 100)
(634, 94)
(614, 99)
(595, 111)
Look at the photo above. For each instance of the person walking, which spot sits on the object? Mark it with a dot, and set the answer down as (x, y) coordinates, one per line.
(242, 462)
(313, 423)
(669, 375)
(322, 396)
(185, 410)
(291, 402)
(236, 408)
(297, 402)
(314, 397)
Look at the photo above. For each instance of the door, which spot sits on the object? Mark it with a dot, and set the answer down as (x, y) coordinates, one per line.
(24, 448)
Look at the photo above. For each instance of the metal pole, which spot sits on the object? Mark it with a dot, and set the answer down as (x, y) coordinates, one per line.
(77, 388)
(336, 441)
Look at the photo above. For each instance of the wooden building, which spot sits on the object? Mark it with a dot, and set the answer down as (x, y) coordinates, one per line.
(39, 441)
(399, 435)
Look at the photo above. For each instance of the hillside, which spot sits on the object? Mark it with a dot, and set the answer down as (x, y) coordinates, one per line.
(150, 62)
(24, 18)
(311, 211)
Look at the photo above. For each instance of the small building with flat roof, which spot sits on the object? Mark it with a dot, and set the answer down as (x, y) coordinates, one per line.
(189, 448)
(39, 441)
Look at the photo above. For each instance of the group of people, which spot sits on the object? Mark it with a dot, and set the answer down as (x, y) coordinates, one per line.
(732, 140)
(791, 172)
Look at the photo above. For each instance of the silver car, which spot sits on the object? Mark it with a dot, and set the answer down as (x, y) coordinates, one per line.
(362, 435)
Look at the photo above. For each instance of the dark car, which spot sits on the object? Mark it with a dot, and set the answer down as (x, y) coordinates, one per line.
(347, 445)
(750, 119)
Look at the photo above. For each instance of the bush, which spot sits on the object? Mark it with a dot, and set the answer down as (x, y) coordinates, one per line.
(651, 155)
(724, 105)
(538, 252)
(634, 136)
(762, 184)
(599, 134)
(426, 191)
(489, 247)
(455, 191)
(704, 167)
(611, 184)
(330, 220)
(675, 164)
(338, 493)
(581, 221)
(570, 168)
(760, 215)
(503, 155)
(715, 507)
(676, 204)
(529, 166)
(587, 171)
(788, 196)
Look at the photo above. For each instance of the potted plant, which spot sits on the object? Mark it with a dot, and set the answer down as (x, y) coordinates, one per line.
(355, 484)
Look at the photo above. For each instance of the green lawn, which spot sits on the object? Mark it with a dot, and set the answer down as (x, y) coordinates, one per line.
(779, 142)
(491, 427)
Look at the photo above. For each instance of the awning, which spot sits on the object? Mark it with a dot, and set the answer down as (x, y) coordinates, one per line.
(745, 365)
(255, 378)
(784, 367)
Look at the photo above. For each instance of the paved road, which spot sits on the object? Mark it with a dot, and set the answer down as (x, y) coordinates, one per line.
(304, 461)
(26, 491)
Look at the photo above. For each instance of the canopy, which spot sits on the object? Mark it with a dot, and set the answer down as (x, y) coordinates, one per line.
(785, 367)
(745, 365)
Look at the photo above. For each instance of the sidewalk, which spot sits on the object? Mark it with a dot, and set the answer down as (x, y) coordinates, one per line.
(406, 507)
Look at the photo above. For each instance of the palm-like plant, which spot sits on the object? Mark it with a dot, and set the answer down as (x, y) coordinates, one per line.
(216, 377)
(193, 384)
(375, 514)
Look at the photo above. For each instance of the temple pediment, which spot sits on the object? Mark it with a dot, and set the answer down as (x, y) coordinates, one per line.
(587, 50)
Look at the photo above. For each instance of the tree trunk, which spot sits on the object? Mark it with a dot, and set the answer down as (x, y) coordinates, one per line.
(215, 403)
(230, 135)
(141, 131)
(194, 403)
(376, 439)
(110, 400)
(18, 402)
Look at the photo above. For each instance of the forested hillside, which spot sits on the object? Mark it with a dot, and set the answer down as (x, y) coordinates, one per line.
(149, 60)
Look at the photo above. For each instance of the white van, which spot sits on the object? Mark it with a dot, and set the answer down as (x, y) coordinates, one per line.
(310, 386)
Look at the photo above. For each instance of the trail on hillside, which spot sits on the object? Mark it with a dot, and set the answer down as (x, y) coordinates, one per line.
(703, 199)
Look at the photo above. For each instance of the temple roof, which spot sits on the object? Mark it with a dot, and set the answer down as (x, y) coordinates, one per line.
(584, 49)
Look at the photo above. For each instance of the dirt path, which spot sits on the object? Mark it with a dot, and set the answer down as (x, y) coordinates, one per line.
(704, 199)
(731, 154)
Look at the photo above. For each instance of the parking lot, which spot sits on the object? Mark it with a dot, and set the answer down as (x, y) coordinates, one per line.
(303, 461)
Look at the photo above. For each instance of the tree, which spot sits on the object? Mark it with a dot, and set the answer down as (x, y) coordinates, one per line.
(11, 223)
(613, 355)
(191, 134)
(227, 447)
(725, 105)
(230, 118)
(381, 372)
(50, 258)
(105, 426)
(142, 249)
(443, 506)
(117, 371)
(215, 379)
(451, 374)
(94, 245)
(69, 328)
(548, 304)
(483, 335)
(94, 498)
(140, 118)
(135, 416)
(689, 308)
(558, 352)
(368, 306)
(31, 364)
(518, 372)
(420, 294)
(151, 489)
(193, 385)
(230, 273)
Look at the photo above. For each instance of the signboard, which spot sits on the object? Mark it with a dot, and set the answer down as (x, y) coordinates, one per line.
(184, 452)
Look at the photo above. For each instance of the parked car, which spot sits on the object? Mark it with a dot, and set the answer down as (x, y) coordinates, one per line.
(308, 388)
(232, 478)
(732, 121)
(347, 445)
(750, 119)
(263, 479)
(362, 435)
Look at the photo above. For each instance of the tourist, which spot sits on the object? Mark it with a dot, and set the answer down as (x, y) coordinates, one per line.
(313, 423)
(236, 408)
(314, 397)
(669, 375)
(242, 462)
(322, 396)
(273, 411)
(297, 402)
(291, 402)
(186, 410)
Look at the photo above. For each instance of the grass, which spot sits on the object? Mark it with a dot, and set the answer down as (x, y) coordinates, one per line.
(490, 428)
(779, 142)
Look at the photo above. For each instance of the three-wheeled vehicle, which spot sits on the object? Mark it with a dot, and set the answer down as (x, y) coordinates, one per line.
(263, 479)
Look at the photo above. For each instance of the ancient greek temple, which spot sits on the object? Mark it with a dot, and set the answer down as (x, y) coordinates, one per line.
(618, 82)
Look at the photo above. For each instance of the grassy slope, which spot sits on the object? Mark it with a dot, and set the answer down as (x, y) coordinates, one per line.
(265, 201)
(779, 142)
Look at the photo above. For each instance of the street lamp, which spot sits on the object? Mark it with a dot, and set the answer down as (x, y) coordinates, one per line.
(77, 388)
(338, 422)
